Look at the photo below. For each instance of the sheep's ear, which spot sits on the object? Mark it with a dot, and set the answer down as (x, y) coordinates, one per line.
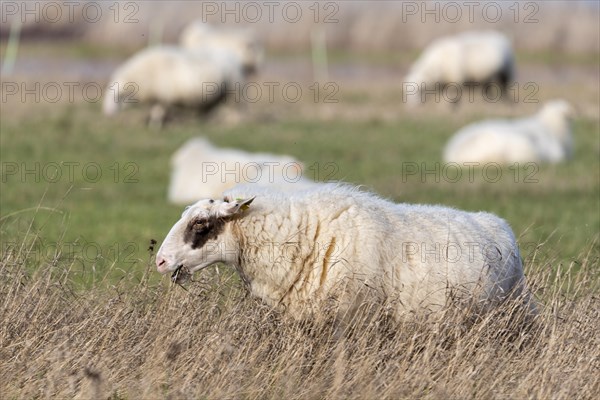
(234, 207)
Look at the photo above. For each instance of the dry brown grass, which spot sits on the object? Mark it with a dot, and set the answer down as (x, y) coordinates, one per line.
(140, 340)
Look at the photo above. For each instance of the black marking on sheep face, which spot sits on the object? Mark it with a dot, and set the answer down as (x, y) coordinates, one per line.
(201, 230)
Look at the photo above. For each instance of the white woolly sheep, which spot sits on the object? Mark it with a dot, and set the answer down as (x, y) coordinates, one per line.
(543, 137)
(167, 76)
(242, 42)
(201, 170)
(469, 58)
(337, 244)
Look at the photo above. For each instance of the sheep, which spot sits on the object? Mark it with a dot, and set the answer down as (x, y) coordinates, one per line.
(242, 42)
(201, 170)
(167, 76)
(543, 137)
(335, 244)
(469, 58)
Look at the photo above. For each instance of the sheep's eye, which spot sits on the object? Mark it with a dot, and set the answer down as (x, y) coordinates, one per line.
(199, 224)
(201, 229)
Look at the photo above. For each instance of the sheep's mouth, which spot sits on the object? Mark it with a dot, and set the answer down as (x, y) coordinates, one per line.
(181, 274)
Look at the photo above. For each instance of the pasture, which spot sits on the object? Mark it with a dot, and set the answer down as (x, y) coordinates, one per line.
(85, 314)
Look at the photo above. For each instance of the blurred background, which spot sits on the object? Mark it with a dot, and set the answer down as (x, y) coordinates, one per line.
(349, 122)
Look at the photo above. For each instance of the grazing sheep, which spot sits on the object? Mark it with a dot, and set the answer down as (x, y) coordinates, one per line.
(167, 76)
(338, 245)
(543, 137)
(201, 170)
(241, 42)
(468, 58)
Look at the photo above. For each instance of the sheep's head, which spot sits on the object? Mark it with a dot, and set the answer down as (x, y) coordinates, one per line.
(242, 42)
(199, 239)
(558, 108)
(253, 55)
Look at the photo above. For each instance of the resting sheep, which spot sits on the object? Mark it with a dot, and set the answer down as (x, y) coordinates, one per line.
(338, 245)
(242, 42)
(201, 170)
(469, 58)
(167, 76)
(543, 137)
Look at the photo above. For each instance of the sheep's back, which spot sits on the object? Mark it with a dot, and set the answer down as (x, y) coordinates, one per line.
(397, 251)
(171, 75)
(492, 141)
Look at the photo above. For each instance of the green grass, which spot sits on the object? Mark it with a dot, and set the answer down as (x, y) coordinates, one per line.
(123, 210)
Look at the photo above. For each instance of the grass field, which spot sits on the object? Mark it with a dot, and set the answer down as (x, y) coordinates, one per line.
(84, 314)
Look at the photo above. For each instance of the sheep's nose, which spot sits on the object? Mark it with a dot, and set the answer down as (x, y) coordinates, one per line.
(160, 263)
